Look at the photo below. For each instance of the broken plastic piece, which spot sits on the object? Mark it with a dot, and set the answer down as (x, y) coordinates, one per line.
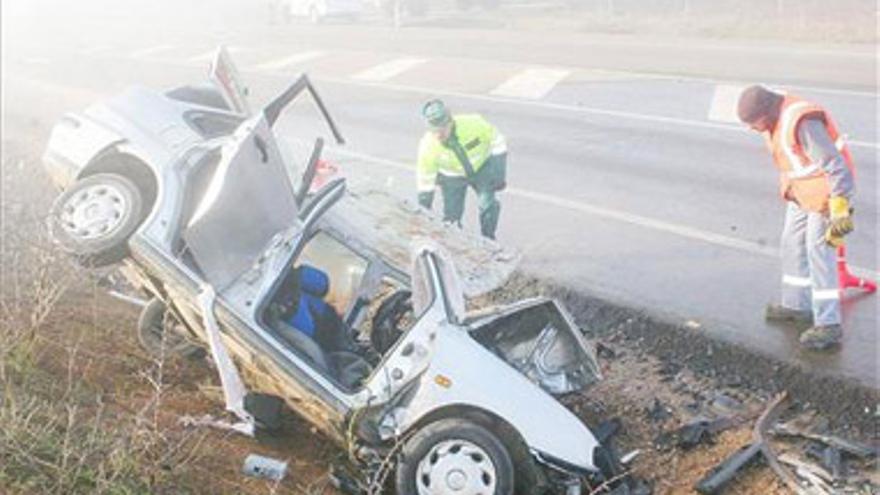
(694, 433)
(627, 458)
(800, 464)
(850, 447)
(719, 477)
(264, 467)
(658, 412)
(723, 473)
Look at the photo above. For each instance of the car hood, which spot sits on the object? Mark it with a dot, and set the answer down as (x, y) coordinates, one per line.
(538, 338)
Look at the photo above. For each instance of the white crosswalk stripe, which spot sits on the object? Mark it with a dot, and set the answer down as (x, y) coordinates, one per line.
(532, 84)
(153, 50)
(388, 70)
(294, 59)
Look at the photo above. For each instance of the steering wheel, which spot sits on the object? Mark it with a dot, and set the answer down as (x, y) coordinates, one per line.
(386, 321)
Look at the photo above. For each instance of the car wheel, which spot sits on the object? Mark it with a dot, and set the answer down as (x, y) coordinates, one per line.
(94, 218)
(456, 457)
(161, 334)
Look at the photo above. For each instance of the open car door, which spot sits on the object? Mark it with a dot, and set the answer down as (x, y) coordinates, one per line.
(226, 78)
(249, 201)
(251, 198)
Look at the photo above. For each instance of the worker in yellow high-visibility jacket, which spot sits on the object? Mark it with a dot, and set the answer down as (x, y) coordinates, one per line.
(459, 151)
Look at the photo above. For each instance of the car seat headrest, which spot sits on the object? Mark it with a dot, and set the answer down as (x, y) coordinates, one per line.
(313, 281)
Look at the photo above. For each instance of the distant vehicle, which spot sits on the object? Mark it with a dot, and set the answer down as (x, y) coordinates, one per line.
(318, 11)
(316, 295)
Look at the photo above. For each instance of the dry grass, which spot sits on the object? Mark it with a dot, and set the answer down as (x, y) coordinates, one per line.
(82, 408)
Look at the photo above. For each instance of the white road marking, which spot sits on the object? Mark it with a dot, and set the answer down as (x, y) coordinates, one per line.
(209, 55)
(532, 83)
(732, 82)
(658, 119)
(294, 59)
(387, 70)
(145, 52)
(684, 231)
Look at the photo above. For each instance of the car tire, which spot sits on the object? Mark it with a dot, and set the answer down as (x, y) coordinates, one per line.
(95, 217)
(464, 456)
(155, 324)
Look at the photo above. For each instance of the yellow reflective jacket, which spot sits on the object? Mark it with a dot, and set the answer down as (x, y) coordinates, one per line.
(478, 138)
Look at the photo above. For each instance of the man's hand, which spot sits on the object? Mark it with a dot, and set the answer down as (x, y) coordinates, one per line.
(841, 221)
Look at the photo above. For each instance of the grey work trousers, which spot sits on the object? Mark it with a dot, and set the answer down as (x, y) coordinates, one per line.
(809, 266)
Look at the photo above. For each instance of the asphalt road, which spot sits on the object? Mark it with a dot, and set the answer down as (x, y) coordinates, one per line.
(620, 184)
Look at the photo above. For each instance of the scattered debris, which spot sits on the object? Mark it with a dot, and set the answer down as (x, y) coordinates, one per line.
(670, 369)
(210, 421)
(854, 449)
(806, 466)
(607, 429)
(726, 404)
(829, 458)
(137, 301)
(605, 351)
(658, 412)
(694, 433)
(264, 467)
(627, 458)
(723, 473)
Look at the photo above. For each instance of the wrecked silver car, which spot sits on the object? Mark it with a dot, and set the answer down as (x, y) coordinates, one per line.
(345, 305)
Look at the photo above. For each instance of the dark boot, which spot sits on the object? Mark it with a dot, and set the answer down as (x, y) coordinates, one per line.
(780, 313)
(821, 337)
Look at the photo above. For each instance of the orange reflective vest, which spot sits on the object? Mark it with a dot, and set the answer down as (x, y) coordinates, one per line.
(801, 180)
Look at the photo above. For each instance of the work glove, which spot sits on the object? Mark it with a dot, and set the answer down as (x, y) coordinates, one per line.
(840, 215)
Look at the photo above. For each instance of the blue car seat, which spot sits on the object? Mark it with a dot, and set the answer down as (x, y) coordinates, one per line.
(312, 309)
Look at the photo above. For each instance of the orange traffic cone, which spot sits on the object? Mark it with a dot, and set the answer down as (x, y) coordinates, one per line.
(324, 173)
(847, 279)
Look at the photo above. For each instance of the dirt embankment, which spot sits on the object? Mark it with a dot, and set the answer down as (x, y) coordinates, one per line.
(84, 410)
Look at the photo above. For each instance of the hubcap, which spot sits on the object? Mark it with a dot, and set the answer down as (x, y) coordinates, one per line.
(94, 212)
(456, 467)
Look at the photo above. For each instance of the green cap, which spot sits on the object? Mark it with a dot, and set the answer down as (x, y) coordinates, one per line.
(436, 114)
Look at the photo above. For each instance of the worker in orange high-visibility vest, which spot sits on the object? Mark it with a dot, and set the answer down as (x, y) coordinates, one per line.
(816, 180)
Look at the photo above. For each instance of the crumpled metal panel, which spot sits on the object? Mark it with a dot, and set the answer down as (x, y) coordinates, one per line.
(391, 227)
(539, 341)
